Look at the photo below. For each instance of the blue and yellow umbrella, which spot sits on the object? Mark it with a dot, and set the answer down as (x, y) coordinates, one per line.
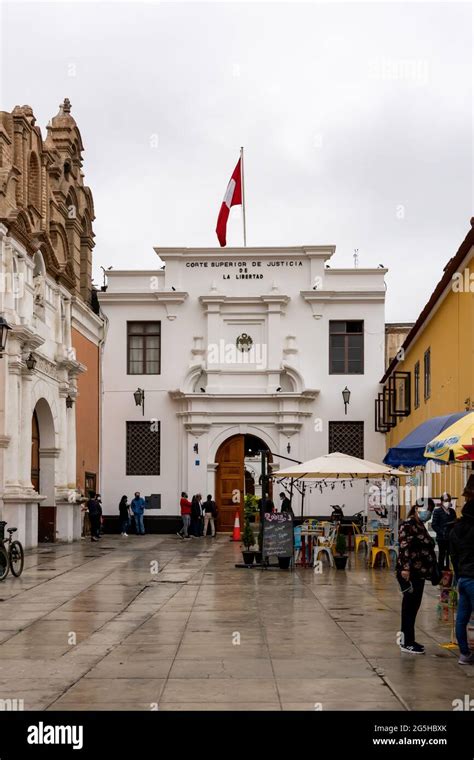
(455, 443)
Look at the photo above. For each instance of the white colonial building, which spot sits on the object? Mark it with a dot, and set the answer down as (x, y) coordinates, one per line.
(230, 352)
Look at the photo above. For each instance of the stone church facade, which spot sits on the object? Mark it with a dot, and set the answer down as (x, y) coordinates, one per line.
(50, 370)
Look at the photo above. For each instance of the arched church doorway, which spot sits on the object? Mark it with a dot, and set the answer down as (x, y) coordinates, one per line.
(43, 457)
(238, 472)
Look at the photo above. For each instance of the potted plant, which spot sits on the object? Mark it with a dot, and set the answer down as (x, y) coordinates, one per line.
(248, 540)
(340, 557)
(250, 506)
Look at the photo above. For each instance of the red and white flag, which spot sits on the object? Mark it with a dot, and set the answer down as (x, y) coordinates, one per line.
(232, 197)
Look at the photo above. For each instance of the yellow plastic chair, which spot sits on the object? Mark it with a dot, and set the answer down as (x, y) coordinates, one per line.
(376, 550)
(359, 538)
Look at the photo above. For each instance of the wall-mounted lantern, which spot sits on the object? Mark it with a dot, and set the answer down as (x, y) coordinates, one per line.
(69, 402)
(31, 362)
(4, 328)
(139, 396)
(346, 397)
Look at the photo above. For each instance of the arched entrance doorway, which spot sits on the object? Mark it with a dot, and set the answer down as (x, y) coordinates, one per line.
(233, 479)
(43, 468)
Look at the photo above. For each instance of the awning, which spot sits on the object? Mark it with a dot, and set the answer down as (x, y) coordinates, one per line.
(410, 451)
(334, 466)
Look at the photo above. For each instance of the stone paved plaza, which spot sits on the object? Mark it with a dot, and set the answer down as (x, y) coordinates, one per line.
(94, 627)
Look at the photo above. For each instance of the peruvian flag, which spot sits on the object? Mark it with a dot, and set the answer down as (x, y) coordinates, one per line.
(232, 197)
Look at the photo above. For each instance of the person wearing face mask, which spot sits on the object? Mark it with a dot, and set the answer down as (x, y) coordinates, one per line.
(416, 563)
(443, 521)
(462, 552)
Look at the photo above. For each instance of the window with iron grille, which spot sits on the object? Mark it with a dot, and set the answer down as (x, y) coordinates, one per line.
(417, 385)
(347, 438)
(143, 348)
(427, 373)
(346, 347)
(143, 448)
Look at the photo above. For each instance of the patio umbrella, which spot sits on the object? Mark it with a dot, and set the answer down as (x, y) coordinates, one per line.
(410, 451)
(456, 443)
(336, 465)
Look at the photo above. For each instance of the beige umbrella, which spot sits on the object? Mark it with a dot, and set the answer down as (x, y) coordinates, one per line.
(334, 466)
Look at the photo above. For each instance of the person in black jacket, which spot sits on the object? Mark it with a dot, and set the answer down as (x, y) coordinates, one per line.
(195, 516)
(124, 516)
(210, 513)
(462, 551)
(95, 512)
(415, 565)
(442, 523)
(286, 504)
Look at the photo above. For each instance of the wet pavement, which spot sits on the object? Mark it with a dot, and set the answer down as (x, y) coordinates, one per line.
(153, 622)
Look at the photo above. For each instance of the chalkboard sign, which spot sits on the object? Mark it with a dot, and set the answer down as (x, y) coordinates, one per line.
(277, 535)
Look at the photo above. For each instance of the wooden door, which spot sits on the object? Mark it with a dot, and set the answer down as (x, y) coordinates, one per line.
(229, 481)
(90, 483)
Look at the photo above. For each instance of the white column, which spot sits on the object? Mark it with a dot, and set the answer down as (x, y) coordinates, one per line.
(213, 337)
(62, 464)
(71, 446)
(12, 400)
(67, 511)
(274, 345)
(196, 473)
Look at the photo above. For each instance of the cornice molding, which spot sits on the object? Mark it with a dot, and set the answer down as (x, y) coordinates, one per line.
(265, 252)
(322, 296)
(28, 338)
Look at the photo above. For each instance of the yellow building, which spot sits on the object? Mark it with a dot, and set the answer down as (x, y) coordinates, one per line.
(432, 374)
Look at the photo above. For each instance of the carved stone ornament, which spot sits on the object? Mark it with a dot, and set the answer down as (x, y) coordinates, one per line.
(244, 342)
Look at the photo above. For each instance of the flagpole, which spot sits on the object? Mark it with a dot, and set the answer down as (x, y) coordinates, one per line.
(243, 194)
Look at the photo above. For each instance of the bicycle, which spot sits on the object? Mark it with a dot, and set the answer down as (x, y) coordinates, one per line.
(13, 557)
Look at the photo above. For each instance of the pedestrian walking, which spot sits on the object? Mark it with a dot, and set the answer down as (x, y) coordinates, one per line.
(461, 541)
(416, 563)
(195, 517)
(444, 518)
(138, 508)
(201, 515)
(124, 516)
(185, 506)
(286, 504)
(95, 512)
(210, 513)
(101, 522)
(86, 526)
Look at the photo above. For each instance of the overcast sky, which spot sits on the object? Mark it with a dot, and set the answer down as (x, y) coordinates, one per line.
(356, 120)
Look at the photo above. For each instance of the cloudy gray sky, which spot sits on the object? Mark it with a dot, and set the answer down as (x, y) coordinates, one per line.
(356, 120)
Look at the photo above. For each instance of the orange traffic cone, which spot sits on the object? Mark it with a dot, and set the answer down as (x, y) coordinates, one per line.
(236, 533)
